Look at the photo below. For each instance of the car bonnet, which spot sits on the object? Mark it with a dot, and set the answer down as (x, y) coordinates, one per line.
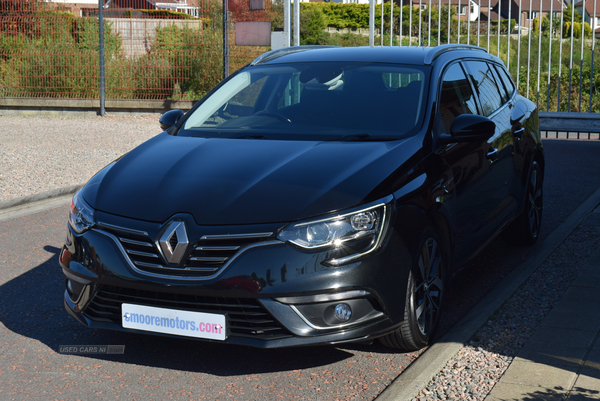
(243, 181)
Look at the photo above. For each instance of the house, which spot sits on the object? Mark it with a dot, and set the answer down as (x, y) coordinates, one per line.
(590, 15)
(342, 1)
(76, 7)
(496, 8)
(172, 5)
(87, 7)
(469, 9)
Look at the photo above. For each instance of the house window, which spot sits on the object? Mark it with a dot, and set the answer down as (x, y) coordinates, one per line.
(534, 14)
(257, 5)
(423, 6)
(463, 10)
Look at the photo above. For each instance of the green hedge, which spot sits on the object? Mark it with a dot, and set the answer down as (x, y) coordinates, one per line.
(342, 15)
(54, 54)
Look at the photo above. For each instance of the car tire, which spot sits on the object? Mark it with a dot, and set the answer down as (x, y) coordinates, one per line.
(424, 296)
(525, 230)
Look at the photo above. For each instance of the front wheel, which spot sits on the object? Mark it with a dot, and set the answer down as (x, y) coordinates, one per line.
(424, 295)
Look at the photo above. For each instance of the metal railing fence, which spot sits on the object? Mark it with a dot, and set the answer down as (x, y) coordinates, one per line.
(51, 50)
(552, 58)
(48, 50)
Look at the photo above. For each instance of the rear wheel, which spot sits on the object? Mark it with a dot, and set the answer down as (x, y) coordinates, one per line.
(525, 229)
(424, 295)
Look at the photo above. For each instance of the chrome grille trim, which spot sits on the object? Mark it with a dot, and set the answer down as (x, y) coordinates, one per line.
(144, 254)
(177, 269)
(201, 269)
(205, 272)
(237, 236)
(123, 229)
(150, 265)
(208, 259)
(217, 248)
(139, 243)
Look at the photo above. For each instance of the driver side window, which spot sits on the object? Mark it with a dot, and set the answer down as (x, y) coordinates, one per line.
(456, 97)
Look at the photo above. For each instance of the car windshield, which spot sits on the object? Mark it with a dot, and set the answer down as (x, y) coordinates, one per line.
(324, 101)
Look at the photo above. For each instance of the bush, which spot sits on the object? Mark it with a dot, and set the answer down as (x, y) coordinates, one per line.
(312, 23)
(192, 60)
(576, 30)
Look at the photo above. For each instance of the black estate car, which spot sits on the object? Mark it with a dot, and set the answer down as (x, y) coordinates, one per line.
(318, 195)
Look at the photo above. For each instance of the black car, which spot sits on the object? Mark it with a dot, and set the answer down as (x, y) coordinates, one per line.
(317, 196)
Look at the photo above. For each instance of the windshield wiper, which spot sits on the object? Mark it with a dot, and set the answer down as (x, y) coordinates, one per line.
(251, 137)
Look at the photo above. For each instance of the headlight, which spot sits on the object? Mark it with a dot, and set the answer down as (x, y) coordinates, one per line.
(81, 217)
(354, 233)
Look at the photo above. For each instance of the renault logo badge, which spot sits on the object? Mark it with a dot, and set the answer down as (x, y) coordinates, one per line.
(174, 242)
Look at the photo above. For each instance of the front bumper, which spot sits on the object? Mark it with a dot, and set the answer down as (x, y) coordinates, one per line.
(273, 295)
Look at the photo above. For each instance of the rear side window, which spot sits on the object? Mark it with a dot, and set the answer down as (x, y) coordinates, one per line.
(503, 94)
(508, 83)
(486, 86)
(456, 97)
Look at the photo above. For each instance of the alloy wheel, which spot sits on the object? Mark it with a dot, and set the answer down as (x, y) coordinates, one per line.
(429, 286)
(535, 198)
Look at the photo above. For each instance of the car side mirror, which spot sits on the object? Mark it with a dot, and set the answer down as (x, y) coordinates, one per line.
(170, 118)
(469, 127)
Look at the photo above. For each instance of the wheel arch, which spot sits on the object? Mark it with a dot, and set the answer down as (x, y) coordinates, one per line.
(411, 221)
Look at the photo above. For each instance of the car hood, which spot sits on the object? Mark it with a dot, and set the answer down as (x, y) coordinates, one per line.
(243, 181)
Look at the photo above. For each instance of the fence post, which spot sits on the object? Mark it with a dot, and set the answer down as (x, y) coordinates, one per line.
(287, 22)
(101, 41)
(372, 22)
(225, 40)
(297, 22)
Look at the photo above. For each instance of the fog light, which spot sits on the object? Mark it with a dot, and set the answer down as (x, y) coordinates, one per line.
(343, 312)
(74, 289)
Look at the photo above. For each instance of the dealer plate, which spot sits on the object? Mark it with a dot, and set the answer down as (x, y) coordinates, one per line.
(171, 321)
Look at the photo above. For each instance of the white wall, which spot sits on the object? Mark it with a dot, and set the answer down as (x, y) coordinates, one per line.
(475, 14)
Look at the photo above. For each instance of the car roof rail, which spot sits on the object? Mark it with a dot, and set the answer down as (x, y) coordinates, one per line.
(273, 54)
(441, 49)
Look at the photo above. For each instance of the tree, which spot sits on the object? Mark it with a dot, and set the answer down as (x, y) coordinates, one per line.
(312, 23)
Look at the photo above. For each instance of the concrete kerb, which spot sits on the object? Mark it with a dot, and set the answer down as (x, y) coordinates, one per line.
(41, 197)
(14, 208)
(410, 382)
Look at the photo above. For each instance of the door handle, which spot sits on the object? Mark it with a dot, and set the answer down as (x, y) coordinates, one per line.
(492, 154)
(517, 133)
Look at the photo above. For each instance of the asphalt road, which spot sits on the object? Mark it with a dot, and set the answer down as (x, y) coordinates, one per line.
(33, 323)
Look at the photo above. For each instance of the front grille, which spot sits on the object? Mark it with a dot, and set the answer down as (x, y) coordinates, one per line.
(204, 259)
(212, 252)
(246, 316)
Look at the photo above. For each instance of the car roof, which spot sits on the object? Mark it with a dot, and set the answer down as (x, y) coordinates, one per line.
(415, 55)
